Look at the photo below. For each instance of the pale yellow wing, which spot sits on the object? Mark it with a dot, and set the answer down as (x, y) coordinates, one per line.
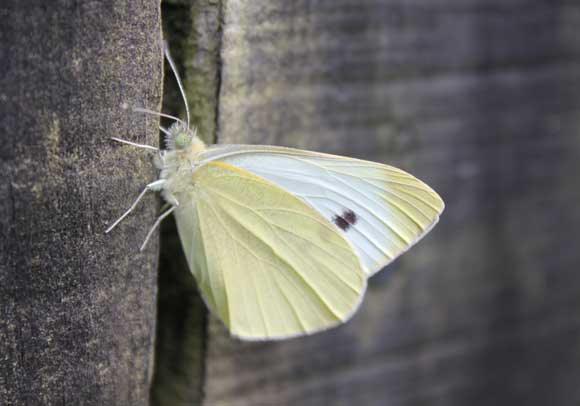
(381, 210)
(268, 264)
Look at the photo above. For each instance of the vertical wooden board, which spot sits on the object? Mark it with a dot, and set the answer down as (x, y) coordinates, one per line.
(77, 307)
(480, 100)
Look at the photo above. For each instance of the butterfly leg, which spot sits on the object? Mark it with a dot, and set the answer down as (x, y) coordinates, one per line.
(155, 225)
(165, 131)
(155, 113)
(135, 144)
(153, 186)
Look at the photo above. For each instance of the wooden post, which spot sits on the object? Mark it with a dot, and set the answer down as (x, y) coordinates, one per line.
(480, 99)
(77, 307)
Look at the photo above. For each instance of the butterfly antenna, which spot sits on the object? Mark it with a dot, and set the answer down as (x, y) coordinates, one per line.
(155, 113)
(172, 64)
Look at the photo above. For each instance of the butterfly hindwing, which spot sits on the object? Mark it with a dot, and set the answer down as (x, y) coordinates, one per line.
(380, 209)
(267, 263)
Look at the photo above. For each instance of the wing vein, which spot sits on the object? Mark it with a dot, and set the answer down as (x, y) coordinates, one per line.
(275, 253)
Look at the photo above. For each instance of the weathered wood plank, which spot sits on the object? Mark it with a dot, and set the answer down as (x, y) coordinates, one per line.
(479, 98)
(77, 308)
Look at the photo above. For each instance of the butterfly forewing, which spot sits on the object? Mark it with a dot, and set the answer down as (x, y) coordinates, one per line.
(380, 209)
(270, 265)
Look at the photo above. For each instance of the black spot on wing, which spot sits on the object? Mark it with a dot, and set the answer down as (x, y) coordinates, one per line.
(350, 216)
(345, 220)
(341, 222)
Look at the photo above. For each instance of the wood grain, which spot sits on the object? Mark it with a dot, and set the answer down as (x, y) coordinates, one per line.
(478, 98)
(77, 307)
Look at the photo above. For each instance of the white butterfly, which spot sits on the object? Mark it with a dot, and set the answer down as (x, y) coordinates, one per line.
(281, 241)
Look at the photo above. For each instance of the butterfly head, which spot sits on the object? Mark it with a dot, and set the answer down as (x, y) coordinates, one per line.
(182, 138)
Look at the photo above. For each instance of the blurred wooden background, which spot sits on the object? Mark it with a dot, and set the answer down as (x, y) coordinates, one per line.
(479, 98)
